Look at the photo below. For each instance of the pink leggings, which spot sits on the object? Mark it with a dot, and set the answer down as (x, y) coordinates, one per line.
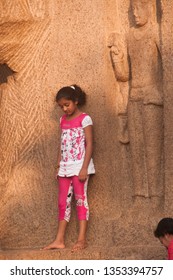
(66, 187)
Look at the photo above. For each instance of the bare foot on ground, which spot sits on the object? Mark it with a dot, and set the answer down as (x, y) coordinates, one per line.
(79, 245)
(54, 245)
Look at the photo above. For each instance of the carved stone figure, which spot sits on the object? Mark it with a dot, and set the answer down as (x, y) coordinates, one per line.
(22, 10)
(24, 49)
(145, 105)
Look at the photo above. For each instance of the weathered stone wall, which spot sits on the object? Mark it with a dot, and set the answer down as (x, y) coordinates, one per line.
(50, 44)
(26, 167)
(167, 50)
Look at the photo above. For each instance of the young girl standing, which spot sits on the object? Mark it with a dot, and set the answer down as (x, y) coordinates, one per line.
(75, 163)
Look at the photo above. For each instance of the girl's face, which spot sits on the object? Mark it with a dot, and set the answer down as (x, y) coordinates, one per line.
(69, 107)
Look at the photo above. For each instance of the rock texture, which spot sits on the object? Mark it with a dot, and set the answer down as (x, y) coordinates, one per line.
(45, 45)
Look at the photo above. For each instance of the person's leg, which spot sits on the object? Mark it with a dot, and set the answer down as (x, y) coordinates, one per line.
(81, 242)
(80, 191)
(58, 243)
(64, 205)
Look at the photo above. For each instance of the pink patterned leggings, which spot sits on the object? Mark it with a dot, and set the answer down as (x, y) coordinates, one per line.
(68, 185)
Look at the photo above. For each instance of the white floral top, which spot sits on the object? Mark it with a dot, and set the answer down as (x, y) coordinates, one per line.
(73, 145)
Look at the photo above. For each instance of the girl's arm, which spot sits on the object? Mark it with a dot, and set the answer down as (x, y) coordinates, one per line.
(59, 149)
(88, 153)
(58, 161)
(59, 158)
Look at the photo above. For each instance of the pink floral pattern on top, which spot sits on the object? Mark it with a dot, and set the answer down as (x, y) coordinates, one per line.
(73, 144)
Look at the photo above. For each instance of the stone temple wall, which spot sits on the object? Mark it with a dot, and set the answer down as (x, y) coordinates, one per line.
(45, 45)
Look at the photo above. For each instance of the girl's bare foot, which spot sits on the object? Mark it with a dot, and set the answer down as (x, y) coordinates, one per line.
(55, 245)
(79, 245)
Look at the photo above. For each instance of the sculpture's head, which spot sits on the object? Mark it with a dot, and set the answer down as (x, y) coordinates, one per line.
(141, 11)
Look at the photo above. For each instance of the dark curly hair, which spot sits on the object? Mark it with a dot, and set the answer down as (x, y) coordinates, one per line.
(73, 92)
(165, 226)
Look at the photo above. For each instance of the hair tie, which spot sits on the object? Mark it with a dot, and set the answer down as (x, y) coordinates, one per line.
(72, 87)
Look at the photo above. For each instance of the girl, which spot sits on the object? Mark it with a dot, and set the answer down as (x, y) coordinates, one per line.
(74, 163)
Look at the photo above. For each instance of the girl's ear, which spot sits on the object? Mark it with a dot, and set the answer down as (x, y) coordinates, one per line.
(76, 102)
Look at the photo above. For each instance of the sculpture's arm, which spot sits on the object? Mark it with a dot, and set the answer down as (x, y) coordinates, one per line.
(120, 63)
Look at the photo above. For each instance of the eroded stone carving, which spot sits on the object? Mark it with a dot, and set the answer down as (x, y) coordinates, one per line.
(141, 67)
(24, 52)
(118, 50)
(22, 10)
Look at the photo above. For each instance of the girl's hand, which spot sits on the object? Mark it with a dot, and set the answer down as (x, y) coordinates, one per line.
(83, 174)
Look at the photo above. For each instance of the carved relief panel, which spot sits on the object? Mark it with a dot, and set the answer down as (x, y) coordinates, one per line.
(137, 65)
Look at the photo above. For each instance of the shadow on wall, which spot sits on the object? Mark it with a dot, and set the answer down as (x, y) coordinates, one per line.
(5, 72)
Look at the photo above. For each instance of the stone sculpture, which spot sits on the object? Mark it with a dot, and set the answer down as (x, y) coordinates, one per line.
(24, 49)
(141, 67)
